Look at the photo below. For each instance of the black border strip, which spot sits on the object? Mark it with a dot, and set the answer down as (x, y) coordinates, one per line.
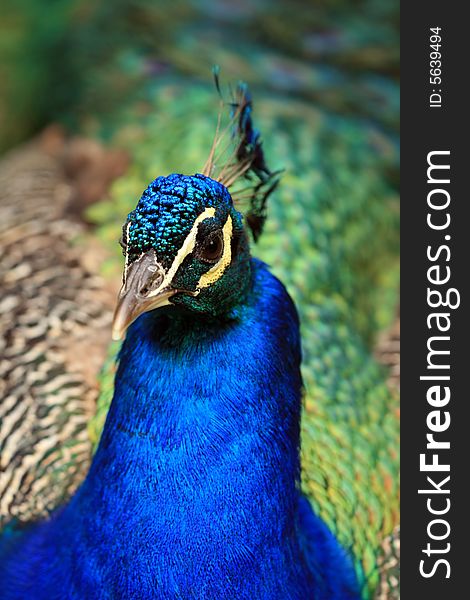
(425, 129)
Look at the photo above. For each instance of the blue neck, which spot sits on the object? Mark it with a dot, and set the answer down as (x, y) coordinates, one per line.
(204, 433)
(193, 491)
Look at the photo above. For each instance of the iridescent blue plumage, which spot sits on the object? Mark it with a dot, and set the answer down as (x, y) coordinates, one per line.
(194, 489)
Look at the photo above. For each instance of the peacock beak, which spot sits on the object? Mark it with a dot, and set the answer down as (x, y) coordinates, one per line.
(144, 289)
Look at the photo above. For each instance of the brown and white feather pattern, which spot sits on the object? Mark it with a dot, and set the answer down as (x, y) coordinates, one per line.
(389, 568)
(49, 306)
(387, 351)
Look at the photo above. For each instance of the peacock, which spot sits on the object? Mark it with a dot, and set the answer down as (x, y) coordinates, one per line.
(206, 482)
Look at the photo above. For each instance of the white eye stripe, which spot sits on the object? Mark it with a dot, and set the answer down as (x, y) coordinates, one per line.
(187, 247)
(216, 272)
(126, 263)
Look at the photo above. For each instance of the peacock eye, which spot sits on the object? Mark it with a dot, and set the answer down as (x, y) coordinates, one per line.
(212, 248)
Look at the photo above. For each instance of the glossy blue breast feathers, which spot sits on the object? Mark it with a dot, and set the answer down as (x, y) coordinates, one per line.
(194, 490)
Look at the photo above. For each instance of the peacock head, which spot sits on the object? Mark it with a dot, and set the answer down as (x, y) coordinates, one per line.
(185, 245)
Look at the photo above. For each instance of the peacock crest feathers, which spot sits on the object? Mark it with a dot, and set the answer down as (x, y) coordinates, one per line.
(241, 157)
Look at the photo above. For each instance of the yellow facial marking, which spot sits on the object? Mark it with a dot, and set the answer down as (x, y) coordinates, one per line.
(216, 272)
(186, 248)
